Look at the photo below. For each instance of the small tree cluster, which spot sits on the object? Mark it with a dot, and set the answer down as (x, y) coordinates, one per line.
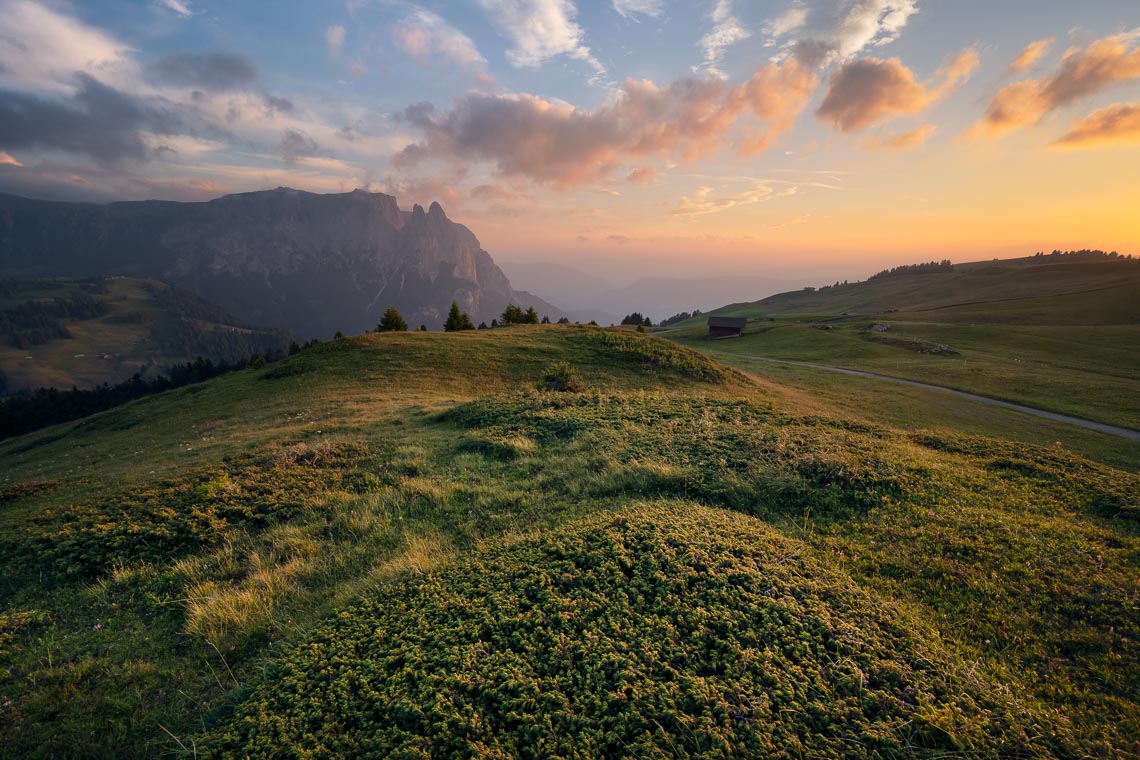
(457, 320)
(636, 319)
(514, 315)
(930, 267)
(680, 317)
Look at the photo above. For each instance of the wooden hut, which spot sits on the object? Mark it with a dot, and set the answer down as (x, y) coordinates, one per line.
(726, 327)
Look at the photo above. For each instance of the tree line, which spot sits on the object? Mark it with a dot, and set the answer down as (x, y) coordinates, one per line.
(31, 410)
(457, 320)
(681, 317)
(1085, 254)
(36, 322)
(929, 267)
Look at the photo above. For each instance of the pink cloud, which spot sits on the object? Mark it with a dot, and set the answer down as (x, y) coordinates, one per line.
(557, 144)
(642, 176)
(1029, 56)
(905, 141)
(870, 91)
(1080, 74)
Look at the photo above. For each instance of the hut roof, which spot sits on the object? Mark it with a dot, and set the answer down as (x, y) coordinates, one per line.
(737, 322)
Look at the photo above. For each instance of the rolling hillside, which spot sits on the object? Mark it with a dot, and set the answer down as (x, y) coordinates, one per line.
(1046, 290)
(1060, 333)
(110, 328)
(411, 545)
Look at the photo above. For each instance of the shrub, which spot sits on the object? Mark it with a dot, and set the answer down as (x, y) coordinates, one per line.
(560, 376)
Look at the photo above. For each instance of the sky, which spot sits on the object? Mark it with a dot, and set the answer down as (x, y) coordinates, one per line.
(806, 138)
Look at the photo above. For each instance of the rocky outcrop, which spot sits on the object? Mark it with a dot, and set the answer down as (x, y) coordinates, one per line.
(311, 263)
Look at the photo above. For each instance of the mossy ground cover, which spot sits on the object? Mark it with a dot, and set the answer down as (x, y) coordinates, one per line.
(656, 631)
(278, 508)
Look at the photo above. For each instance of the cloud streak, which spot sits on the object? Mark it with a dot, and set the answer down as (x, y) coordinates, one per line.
(703, 201)
(181, 7)
(1117, 124)
(633, 8)
(41, 49)
(726, 31)
(540, 30)
(1029, 55)
(915, 138)
(840, 29)
(1080, 74)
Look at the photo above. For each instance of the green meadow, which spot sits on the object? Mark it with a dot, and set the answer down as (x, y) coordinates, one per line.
(410, 545)
(1051, 333)
(146, 324)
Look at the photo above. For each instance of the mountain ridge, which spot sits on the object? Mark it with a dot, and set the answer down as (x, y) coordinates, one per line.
(312, 263)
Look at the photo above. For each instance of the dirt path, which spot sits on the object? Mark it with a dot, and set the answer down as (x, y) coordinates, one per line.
(1089, 424)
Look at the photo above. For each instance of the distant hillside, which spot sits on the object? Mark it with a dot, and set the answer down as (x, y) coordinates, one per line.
(64, 333)
(1045, 289)
(315, 264)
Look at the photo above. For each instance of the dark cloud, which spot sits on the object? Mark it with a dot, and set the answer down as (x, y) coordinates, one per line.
(215, 72)
(409, 156)
(868, 90)
(97, 121)
(296, 144)
(278, 105)
(63, 181)
(812, 53)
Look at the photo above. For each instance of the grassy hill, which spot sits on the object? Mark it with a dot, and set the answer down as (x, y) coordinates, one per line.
(1059, 335)
(122, 325)
(1078, 292)
(406, 544)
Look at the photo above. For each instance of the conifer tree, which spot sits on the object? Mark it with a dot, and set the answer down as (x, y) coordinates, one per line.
(457, 320)
(392, 321)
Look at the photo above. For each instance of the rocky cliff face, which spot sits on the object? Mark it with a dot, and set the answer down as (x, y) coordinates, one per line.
(311, 263)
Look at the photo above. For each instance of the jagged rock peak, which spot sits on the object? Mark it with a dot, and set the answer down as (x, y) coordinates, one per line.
(314, 263)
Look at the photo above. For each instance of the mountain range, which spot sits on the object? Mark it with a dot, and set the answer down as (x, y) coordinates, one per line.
(311, 263)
